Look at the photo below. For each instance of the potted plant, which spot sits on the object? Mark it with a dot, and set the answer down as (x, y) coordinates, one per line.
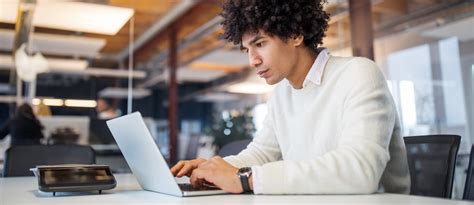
(233, 127)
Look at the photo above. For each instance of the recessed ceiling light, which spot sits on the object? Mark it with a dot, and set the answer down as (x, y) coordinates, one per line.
(70, 15)
(80, 103)
(53, 102)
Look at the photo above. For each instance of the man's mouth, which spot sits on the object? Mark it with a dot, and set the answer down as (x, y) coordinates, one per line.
(262, 72)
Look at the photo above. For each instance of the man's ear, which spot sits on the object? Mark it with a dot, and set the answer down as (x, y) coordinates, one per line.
(297, 40)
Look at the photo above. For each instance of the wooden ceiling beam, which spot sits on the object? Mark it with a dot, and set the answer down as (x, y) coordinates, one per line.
(391, 7)
(197, 16)
(200, 48)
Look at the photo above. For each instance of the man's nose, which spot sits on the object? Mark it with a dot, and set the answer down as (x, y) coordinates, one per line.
(254, 60)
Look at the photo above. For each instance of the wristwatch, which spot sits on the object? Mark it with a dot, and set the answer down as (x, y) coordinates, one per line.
(244, 174)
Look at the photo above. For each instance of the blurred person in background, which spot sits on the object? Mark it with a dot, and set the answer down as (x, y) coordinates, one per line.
(106, 109)
(24, 128)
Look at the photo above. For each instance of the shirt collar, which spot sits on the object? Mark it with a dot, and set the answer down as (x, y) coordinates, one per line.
(316, 71)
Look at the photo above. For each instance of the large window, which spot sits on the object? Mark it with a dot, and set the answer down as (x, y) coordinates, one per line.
(427, 85)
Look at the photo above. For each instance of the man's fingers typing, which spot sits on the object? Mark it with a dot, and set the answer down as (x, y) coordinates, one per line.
(187, 168)
(176, 168)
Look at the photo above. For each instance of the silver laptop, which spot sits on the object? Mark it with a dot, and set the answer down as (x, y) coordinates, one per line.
(145, 159)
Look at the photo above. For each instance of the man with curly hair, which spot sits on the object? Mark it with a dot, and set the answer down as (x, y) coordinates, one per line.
(332, 126)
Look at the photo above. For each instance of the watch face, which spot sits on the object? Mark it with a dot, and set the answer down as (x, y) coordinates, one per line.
(245, 171)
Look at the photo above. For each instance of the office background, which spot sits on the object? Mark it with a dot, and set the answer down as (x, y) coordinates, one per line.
(190, 84)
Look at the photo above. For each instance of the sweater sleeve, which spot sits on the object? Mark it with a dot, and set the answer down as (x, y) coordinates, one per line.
(357, 164)
(264, 147)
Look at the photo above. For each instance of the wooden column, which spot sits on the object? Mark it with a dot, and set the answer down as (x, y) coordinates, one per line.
(362, 39)
(173, 98)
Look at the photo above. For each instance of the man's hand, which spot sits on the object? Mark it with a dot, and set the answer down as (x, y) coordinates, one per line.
(218, 172)
(186, 167)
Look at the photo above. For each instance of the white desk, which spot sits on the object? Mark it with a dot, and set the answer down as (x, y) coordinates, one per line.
(23, 190)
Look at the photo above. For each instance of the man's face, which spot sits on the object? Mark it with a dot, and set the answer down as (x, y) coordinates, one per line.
(273, 58)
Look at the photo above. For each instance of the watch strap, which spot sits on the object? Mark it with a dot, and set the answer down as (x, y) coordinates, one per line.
(244, 174)
(245, 183)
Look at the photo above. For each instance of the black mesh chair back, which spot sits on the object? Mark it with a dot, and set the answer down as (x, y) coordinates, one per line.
(234, 147)
(19, 159)
(431, 161)
(469, 186)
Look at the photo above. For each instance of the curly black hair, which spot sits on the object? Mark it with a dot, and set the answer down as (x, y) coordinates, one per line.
(282, 18)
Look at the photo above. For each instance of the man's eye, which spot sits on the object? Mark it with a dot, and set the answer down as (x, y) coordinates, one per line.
(259, 44)
(244, 50)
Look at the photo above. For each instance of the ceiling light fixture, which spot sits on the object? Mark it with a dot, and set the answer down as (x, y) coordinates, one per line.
(53, 102)
(80, 103)
(71, 15)
(67, 102)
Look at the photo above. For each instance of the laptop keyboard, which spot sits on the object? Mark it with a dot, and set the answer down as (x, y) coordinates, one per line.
(189, 187)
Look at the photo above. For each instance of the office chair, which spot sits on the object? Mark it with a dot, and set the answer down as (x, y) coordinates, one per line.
(469, 186)
(234, 147)
(19, 159)
(431, 161)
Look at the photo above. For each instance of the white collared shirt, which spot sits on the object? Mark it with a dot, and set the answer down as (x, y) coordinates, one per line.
(315, 74)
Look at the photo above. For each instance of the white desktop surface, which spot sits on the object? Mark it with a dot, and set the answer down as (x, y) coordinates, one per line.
(24, 190)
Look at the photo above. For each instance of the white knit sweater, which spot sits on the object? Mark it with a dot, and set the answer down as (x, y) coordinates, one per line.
(339, 137)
